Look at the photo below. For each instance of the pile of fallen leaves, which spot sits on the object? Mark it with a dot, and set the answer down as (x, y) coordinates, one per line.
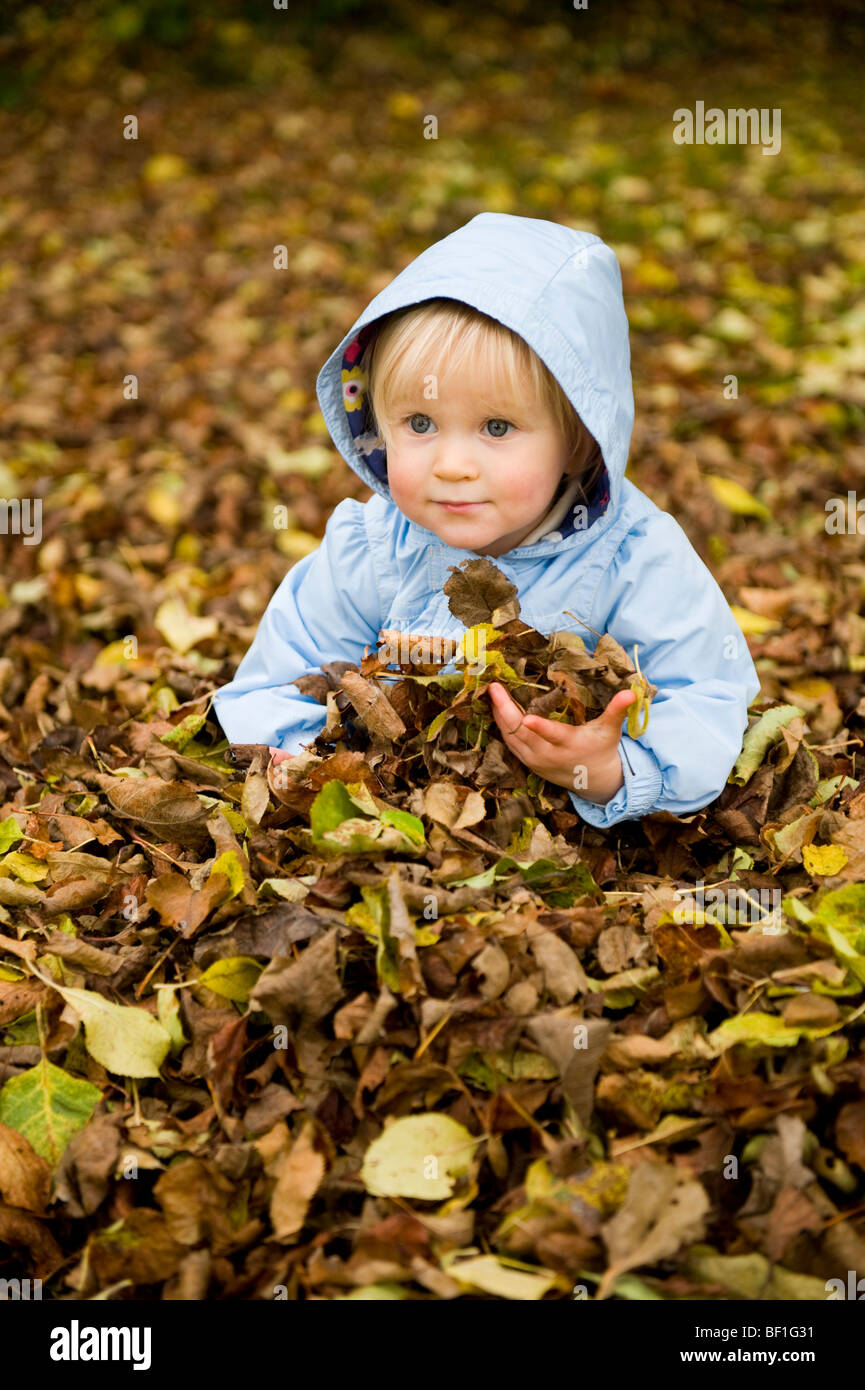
(378, 1028)
(432, 721)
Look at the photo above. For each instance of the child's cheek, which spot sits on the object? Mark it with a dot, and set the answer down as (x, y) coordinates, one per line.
(520, 488)
(404, 481)
(405, 493)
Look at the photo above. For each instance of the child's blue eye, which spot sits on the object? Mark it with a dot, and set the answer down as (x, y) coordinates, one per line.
(422, 424)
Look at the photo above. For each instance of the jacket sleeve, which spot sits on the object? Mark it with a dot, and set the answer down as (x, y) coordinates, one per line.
(659, 596)
(327, 608)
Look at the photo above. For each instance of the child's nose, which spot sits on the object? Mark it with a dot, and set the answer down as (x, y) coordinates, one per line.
(454, 462)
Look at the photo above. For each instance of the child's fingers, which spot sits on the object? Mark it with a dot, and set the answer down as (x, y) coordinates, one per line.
(526, 745)
(507, 713)
(547, 729)
(617, 710)
(280, 755)
(529, 746)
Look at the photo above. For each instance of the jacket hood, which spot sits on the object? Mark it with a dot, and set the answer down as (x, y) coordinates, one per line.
(560, 290)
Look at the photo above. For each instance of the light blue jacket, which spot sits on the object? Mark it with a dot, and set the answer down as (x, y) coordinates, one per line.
(631, 571)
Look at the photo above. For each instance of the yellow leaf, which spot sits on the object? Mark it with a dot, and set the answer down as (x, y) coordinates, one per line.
(163, 168)
(312, 461)
(752, 624)
(736, 498)
(492, 1276)
(292, 400)
(403, 104)
(652, 275)
(124, 1039)
(294, 543)
(812, 687)
(114, 654)
(180, 628)
(89, 589)
(25, 867)
(165, 507)
(732, 325)
(233, 977)
(822, 861)
(229, 864)
(235, 819)
(418, 1156)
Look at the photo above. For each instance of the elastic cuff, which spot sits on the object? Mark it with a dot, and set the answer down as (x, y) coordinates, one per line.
(638, 795)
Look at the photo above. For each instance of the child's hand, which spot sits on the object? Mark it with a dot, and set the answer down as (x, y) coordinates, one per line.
(278, 776)
(582, 757)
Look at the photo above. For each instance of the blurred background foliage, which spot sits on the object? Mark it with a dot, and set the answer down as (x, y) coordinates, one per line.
(230, 42)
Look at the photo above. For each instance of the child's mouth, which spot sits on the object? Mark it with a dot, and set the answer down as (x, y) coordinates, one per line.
(460, 506)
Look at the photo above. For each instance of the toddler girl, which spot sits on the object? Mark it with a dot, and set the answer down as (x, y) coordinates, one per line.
(485, 397)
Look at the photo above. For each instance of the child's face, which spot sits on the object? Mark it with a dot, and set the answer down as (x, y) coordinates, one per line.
(469, 447)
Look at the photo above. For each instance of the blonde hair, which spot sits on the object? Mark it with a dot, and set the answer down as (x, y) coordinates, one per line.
(411, 342)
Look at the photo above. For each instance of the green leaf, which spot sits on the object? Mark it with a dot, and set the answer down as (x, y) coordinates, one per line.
(179, 736)
(404, 821)
(48, 1106)
(761, 1028)
(232, 977)
(759, 739)
(331, 807)
(751, 1276)
(10, 833)
(492, 1070)
(560, 885)
(437, 724)
(338, 829)
(372, 917)
(844, 909)
(846, 952)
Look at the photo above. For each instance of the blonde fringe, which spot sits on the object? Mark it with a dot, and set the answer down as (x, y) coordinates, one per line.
(399, 363)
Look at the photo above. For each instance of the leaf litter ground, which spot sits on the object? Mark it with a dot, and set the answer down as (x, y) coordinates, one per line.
(390, 1021)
